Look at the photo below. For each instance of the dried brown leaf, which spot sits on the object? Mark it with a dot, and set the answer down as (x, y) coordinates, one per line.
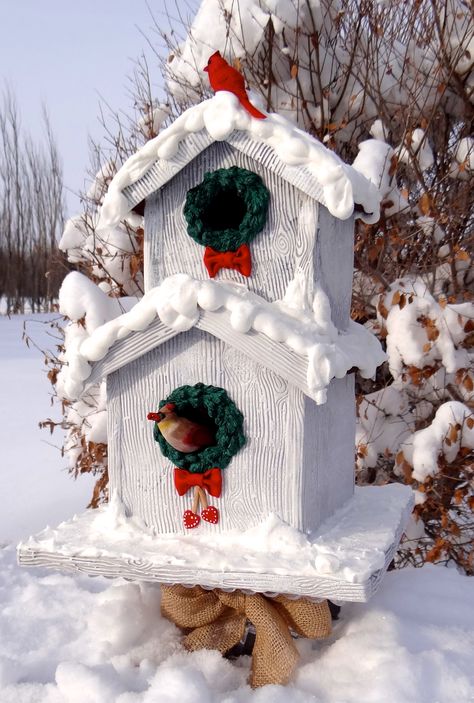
(425, 204)
(468, 383)
(396, 297)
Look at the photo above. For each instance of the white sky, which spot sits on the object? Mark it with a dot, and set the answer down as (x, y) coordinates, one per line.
(67, 54)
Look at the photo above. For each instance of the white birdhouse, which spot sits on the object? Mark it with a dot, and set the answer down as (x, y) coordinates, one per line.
(246, 480)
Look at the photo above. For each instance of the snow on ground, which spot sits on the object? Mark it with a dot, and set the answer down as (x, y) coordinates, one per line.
(35, 487)
(72, 639)
(69, 639)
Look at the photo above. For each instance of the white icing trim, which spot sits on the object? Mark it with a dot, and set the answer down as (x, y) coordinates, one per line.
(178, 303)
(342, 185)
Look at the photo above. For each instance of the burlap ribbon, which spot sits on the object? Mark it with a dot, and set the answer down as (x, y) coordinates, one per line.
(217, 620)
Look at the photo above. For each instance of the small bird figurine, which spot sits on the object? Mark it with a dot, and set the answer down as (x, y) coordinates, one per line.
(182, 434)
(222, 76)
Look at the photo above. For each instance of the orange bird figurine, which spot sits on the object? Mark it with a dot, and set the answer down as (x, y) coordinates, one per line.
(182, 434)
(225, 77)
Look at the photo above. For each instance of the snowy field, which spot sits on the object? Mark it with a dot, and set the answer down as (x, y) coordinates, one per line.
(67, 639)
(35, 486)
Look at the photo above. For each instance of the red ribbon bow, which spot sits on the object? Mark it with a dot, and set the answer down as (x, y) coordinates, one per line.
(239, 260)
(211, 481)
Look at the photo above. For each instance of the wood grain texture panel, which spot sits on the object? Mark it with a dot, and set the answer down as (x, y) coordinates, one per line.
(334, 264)
(266, 476)
(162, 171)
(114, 433)
(275, 356)
(170, 250)
(291, 489)
(257, 346)
(123, 351)
(328, 453)
(268, 584)
(305, 243)
(150, 379)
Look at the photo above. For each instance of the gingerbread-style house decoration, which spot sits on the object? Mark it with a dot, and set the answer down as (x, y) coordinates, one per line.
(230, 385)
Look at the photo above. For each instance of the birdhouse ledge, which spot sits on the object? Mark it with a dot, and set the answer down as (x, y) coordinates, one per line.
(345, 559)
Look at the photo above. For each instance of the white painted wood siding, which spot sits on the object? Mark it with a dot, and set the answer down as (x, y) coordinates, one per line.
(287, 466)
(287, 241)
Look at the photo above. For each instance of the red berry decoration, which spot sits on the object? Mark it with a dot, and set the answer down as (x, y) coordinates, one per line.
(210, 514)
(190, 519)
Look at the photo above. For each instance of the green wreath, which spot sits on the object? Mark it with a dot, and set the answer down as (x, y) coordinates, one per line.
(214, 405)
(227, 209)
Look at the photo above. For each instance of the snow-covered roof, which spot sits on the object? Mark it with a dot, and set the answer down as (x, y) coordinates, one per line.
(319, 352)
(295, 155)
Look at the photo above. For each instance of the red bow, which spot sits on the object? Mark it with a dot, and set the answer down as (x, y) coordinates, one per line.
(211, 481)
(239, 260)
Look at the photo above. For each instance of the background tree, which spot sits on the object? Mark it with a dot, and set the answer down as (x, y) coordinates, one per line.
(389, 87)
(31, 215)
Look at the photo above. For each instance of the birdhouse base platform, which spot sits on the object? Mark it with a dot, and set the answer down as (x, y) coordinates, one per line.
(344, 560)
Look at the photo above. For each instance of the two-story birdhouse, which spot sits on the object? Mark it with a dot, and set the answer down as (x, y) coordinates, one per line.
(230, 386)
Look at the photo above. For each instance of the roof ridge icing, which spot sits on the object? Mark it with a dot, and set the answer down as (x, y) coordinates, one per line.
(343, 187)
(179, 302)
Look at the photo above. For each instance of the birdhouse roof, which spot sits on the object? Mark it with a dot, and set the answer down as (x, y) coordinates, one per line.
(275, 142)
(306, 350)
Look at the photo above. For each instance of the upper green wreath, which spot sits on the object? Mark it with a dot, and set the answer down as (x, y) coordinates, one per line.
(227, 209)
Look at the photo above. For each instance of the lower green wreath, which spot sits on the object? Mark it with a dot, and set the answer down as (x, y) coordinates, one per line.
(222, 414)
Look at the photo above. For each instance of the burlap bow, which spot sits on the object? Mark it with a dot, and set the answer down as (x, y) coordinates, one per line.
(217, 620)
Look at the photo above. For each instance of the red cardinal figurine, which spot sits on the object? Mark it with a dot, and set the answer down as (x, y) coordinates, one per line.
(183, 434)
(224, 77)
